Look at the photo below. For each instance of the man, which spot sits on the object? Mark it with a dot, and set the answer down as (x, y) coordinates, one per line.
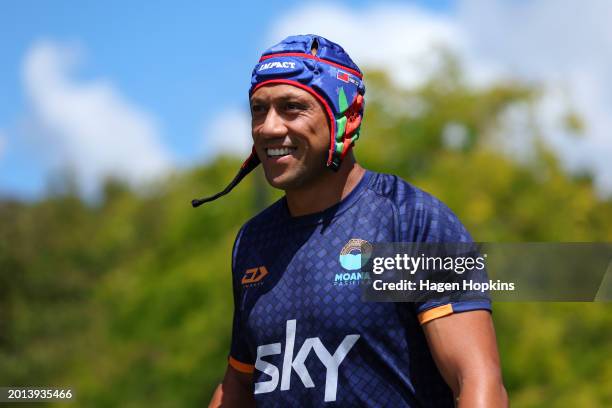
(299, 337)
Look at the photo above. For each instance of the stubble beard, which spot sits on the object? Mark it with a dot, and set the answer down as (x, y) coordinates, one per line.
(302, 175)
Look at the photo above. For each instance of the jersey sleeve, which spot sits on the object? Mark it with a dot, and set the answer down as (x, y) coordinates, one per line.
(438, 224)
(240, 357)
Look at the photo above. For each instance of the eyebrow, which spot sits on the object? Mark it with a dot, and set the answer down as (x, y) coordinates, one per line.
(284, 98)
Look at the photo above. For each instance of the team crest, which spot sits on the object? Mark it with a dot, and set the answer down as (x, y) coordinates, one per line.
(355, 253)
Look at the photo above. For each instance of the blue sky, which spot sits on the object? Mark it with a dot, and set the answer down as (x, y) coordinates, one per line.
(182, 62)
(161, 85)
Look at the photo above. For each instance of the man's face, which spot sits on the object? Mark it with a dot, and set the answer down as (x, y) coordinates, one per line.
(291, 135)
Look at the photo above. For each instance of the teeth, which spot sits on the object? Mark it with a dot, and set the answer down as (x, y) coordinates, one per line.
(279, 152)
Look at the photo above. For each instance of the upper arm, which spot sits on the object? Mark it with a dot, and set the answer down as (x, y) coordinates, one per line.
(464, 348)
(236, 390)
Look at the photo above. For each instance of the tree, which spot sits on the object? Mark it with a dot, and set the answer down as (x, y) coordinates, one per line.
(129, 300)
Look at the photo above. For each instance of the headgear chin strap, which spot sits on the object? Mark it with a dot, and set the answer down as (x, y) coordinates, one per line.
(323, 69)
(249, 164)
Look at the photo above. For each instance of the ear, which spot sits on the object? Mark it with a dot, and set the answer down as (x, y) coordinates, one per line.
(353, 116)
(353, 120)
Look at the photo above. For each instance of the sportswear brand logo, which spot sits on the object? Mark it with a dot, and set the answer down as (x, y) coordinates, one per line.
(254, 275)
(276, 64)
(330, 361)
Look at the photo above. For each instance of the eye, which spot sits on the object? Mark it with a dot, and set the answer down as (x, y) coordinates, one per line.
(294, 106)
(257, 108)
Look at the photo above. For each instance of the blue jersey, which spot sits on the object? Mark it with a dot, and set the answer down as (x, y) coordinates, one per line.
(300, 325)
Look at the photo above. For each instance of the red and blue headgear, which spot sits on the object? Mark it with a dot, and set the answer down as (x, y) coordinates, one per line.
(323, 69)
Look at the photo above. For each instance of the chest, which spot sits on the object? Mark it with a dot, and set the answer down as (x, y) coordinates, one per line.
(311, 275)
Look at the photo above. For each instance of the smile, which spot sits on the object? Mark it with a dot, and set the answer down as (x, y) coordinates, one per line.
(280, 152)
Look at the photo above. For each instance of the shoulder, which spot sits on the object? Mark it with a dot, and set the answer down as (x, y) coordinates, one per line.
(404, 195)
(422, 216)
(264, 222)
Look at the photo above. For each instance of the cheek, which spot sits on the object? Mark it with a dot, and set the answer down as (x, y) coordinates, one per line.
(316, 139)
(309, 131)
(255, 132)
(317, 129)
(322, 128)
(321, 133)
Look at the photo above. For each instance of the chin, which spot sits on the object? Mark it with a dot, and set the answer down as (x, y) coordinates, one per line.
(292, 180)
(282, 182)
(286, 180)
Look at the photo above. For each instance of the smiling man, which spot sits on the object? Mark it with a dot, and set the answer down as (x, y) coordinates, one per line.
(302, 336)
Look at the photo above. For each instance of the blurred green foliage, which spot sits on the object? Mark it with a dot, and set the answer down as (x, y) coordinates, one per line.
(128, 300)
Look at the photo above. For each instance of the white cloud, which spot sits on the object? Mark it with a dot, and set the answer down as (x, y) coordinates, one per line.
(89, 126)
(395, 38)
(229, 133)
(560, 43)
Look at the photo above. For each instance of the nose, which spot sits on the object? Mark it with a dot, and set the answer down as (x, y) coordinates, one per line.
(273, 125)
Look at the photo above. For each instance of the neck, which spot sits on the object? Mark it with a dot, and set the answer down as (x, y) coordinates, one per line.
(325, 191)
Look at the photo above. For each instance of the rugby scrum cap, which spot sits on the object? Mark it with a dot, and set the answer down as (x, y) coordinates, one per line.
(323, 69)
